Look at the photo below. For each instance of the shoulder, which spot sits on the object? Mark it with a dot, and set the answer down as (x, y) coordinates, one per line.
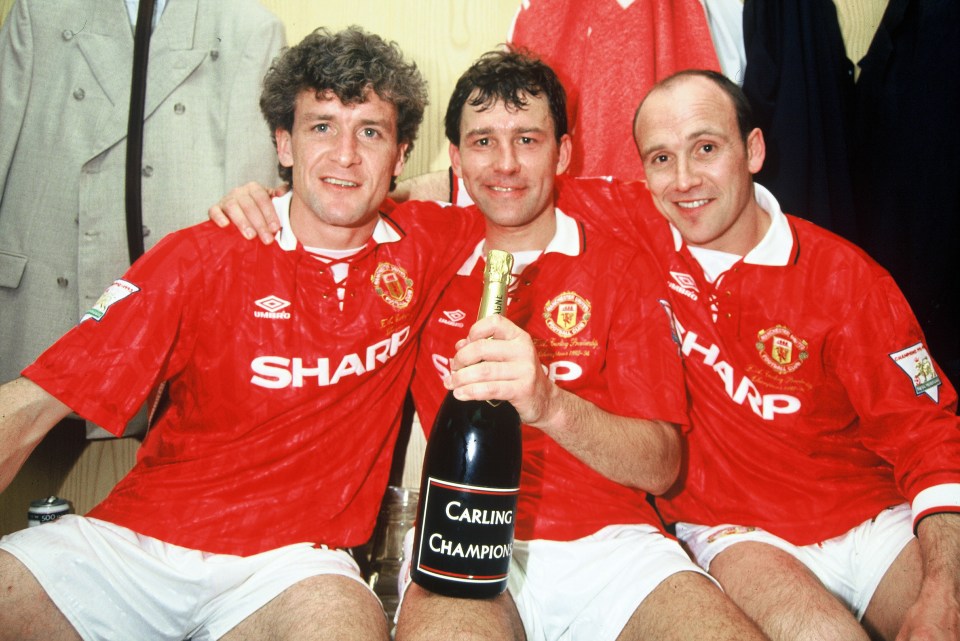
(602, 242)
(611, 262)
(822, 246)
(622, 209)
(206, 243)
(202, 259)
(205, 231)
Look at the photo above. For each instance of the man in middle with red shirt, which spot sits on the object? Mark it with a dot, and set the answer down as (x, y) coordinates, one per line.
(592, 368)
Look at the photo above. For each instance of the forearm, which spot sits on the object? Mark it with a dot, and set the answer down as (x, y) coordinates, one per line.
(935, 615)
(644, 454)
(939, 536)
(639, 453)
(27, 413)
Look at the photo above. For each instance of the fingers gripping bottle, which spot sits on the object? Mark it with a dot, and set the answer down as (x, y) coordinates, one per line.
(471, 478)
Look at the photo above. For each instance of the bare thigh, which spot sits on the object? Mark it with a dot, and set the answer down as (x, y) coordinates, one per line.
(26, 612)
(689, 607)
(425, 616)
(784, 597)
(317, 609)
(897, 591)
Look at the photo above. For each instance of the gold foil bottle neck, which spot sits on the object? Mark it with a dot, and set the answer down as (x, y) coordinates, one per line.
(496, 279)
(499, 266)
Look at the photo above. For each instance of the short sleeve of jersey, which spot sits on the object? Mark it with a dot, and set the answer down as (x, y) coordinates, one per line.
(131, 339)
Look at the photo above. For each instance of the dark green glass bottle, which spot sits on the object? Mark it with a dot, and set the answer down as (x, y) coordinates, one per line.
(471, 479)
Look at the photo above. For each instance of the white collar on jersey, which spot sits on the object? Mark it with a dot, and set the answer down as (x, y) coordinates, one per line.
(566, 240)
(382, 233)
(775, 247)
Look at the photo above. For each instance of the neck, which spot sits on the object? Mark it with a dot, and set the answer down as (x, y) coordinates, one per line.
(755, 228)
(534, 236)
(744, 234)
(311, 231)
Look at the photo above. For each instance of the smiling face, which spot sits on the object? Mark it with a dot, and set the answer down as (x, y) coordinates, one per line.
(343, 157)
(508, 159)
(698, 167)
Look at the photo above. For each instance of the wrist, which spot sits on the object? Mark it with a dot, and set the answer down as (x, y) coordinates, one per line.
(557, 411)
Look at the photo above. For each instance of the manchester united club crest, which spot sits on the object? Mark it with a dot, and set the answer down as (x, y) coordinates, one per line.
(782, 350)
(392, 285)
(567, 314)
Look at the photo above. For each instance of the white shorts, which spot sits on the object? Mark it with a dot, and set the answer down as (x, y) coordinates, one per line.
(850, 565)
(112, 583)
(585, 589)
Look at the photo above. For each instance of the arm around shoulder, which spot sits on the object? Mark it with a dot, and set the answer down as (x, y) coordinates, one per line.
(27, 413)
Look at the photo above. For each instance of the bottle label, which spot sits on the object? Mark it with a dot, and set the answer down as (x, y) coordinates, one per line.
(467, 532)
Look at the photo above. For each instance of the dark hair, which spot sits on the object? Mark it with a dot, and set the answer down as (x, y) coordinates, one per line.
(508, 77)
(741, 106)
(348, 64)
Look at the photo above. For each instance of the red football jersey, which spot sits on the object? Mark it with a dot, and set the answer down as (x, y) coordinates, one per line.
(813, 401)
(284, 409)
(596, 312)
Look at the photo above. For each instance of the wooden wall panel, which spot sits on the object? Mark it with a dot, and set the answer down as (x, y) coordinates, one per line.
(68, 465)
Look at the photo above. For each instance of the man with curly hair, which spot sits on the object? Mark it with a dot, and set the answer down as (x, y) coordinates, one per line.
(283, 370)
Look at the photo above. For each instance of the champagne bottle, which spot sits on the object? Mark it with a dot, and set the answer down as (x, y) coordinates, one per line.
(463, 539)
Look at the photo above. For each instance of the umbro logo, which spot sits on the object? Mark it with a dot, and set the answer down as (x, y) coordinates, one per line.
(453, 318)
(683, 284)
(684, 280)
(272, 306)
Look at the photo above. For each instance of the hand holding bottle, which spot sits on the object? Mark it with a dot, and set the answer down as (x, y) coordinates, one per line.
(498, 360)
